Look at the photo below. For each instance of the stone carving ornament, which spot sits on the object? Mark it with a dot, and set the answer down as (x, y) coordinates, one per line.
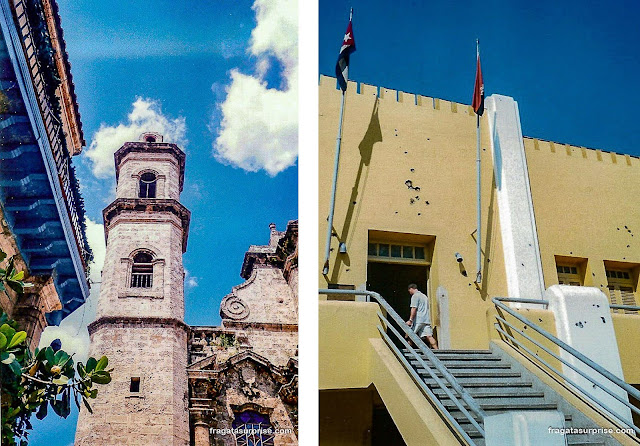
(232, 307)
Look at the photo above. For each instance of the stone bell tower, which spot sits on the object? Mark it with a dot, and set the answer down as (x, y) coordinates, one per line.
(139, 324)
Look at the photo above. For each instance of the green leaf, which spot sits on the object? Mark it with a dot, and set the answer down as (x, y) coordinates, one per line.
(77, 400)
(101, 377)
(42, 411)
(60, 357)
(18, 276)
(3, 255)
(18, 287)
(57, 407)
(86, 404)
(7, 358)
(18, 338)
(6, 330)
(102, 364)
(93, 394)
(49, 356)
(81, 370)
(91, 364)
(3, 341)
(15, 367)
(62, 381)
(13, 412)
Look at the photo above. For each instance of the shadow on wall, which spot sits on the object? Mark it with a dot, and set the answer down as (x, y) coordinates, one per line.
(488, 241)
(371, 136)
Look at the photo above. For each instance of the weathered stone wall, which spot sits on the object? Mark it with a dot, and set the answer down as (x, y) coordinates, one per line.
(160, 233)
(264, 298)
(246, 385)
(277, 346)
(164, 165)
(157, 415)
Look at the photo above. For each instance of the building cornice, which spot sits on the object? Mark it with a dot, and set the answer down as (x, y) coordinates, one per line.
(150, 206)
(137, 321)
(151, 147)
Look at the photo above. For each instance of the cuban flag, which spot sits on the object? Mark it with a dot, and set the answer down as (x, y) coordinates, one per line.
(478, 90)
(342, 66)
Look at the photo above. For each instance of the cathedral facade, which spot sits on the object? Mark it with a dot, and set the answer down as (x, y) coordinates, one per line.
(174, 384)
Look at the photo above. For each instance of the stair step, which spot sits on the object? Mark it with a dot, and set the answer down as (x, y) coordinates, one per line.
(456, 352)
(466, 365)
(461, 358)
(498, 403)
(490, 373)
(511, 393)
(480, 382)
(584, 440)
(506, 406)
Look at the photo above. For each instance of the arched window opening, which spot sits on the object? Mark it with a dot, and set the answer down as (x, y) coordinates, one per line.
(142, 271)
(150, 138)
(147, 185)
(254, 429)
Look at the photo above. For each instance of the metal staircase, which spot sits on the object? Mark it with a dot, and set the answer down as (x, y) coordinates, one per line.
(467, 386)
(499, 384)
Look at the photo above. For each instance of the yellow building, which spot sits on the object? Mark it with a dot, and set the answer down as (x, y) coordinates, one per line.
(405, 212)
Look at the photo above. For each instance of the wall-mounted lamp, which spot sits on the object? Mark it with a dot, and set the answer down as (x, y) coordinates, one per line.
(342, 248)
(458, 257)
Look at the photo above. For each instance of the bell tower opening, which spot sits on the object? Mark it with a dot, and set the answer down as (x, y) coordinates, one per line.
(148, 185)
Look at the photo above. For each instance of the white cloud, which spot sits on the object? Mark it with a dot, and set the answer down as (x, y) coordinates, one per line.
(72, 331)
(189, 280)
(146, 116)
(259, 125)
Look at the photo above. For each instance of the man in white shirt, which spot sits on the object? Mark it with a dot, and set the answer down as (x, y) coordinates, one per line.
(420, 319)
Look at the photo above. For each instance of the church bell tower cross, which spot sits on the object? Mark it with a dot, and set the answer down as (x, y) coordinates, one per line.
(140, 317)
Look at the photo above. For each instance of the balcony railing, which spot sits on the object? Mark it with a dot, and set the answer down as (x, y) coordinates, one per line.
(54, 131)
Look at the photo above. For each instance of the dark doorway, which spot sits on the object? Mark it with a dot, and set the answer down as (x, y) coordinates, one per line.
(390, 280)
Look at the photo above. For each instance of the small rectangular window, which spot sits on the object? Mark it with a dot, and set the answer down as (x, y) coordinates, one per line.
(135, 385)
(373, 249)
(383, 250)
(407, 252)
(396, 250)
(420, 253)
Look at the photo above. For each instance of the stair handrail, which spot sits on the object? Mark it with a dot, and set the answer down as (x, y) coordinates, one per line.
(426, 351)
(499, 303)
(624, 307)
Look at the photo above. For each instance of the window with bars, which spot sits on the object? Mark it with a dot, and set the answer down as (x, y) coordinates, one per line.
(568, 275)
(621, 287)
(254, 429)
(148, 183)
(142, 271)
(397, 252)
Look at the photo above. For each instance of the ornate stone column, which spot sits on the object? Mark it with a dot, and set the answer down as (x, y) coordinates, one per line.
(200, 430)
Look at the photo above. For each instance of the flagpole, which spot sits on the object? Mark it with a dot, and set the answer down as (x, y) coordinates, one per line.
(479, 208)
(327, 249)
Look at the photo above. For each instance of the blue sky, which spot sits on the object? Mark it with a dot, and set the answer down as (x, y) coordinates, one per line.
(175, 61)
(572, 66)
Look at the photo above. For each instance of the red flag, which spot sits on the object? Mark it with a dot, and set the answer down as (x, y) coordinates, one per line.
(478, 91)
